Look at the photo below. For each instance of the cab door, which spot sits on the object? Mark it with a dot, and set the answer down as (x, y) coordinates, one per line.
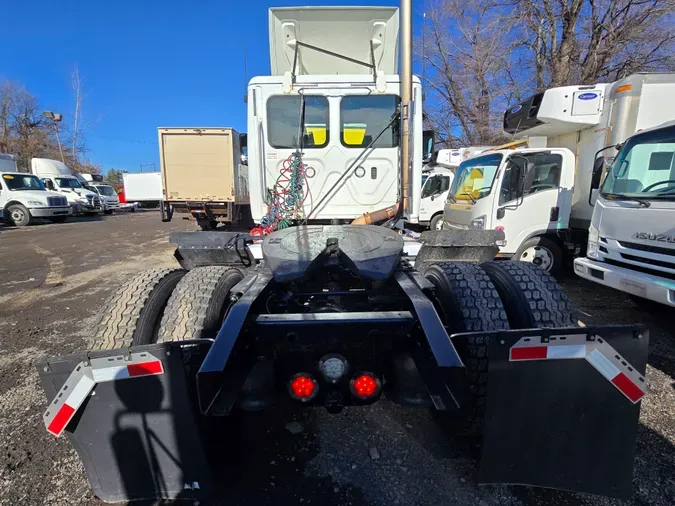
(535, 195)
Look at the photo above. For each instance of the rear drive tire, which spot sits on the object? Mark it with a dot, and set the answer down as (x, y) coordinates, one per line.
(19, 215)
(436, 222)
(198, 304)
(542, 252)
(469, 302)
(531, 297)
(132, 314)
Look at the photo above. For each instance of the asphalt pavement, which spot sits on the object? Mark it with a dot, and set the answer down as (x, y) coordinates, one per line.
(53, 281)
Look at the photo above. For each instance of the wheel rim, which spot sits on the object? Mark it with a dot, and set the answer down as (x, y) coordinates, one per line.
(17, 215)
(538, 255)
(439, 225)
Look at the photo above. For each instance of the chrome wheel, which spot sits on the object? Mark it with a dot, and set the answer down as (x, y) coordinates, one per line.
(439, 225)
(538, 255)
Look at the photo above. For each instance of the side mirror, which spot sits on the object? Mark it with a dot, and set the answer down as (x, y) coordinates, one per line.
(501, 212)
(598, 167)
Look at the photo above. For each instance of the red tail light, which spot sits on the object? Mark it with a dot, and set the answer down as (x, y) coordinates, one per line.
(365, 386)
(303, 387)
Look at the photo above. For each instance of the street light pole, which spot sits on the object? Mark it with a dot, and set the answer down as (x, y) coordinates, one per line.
(55, 119)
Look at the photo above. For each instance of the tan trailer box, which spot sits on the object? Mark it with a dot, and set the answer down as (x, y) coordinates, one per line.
(202, 165)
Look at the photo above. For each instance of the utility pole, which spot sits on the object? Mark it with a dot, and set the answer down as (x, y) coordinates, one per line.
(406, 96)
(55, 118)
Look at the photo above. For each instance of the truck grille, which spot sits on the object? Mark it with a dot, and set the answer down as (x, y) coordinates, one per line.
(95, 202)
(57, 201)
(645, 258)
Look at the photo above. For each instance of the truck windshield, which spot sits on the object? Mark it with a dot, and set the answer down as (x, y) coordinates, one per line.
(107, 191)
(23, 182)
(474, 178)
(644, 168)
(67, 182)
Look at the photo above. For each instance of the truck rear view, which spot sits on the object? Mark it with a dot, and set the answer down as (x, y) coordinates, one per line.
(203, 176)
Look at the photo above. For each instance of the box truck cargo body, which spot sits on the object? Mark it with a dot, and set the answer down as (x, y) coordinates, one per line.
(203, 175)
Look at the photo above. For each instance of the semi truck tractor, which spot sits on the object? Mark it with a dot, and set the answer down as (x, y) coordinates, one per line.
(631, 239)
(204, 177)
(23, 197)
(336, 316)
(57, 177)
(542, 192)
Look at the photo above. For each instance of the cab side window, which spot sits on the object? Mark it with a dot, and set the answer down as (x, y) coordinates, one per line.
(518, 181)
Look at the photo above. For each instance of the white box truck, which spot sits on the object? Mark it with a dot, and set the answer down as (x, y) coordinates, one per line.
(542, 196)
(204, 177)
(57, 177)
(23, 197)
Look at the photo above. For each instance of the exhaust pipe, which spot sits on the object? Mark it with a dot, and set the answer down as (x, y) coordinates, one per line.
(406, 100)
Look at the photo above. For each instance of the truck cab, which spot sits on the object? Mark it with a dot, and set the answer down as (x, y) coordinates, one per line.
(631, 240)
(432, 199)
(339, 110)
(23, 197)
(526, 193)
(57, 177)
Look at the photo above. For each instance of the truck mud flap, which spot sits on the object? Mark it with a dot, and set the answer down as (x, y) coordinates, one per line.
(131, 416)
(563, 407)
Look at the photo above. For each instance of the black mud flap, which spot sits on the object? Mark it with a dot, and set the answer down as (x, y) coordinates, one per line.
(563, 408)
(134, 423)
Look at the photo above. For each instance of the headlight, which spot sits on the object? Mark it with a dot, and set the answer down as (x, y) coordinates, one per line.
(478, 223)
(36, 203)
(593, 237)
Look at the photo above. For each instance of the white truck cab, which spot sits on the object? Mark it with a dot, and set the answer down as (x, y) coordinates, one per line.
(434, 193)
(332, 108)
(631, 240)
(110, 201)
(526, 193)
(24, 197)
(57, 177)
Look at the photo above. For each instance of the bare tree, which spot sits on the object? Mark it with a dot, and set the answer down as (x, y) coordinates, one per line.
(589, 41)
(484, 55)
(469, 83)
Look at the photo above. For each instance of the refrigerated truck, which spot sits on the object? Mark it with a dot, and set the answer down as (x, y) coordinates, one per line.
(542, 195)
(203, 176)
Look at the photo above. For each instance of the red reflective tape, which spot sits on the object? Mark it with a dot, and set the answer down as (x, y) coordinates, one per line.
(145, 368)
(627, 387)
(528, 353)
(61, 419)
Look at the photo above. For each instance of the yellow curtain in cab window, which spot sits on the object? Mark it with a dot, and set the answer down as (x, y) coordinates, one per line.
(471, 186)
(318, 131)
(354, 133)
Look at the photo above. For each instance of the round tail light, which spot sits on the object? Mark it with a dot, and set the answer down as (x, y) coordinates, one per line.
(365, 386)
(303, 387)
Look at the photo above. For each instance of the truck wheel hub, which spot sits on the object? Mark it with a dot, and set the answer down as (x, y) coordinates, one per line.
(539, 256)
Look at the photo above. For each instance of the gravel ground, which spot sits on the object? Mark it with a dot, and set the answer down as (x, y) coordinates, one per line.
(53, 278)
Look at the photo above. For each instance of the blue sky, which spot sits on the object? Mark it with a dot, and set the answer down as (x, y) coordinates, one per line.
(143, 64)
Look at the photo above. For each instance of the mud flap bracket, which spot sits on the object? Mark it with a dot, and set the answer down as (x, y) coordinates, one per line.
(559, 413)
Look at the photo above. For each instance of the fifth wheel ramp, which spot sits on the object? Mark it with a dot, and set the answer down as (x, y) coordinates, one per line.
(563, 408)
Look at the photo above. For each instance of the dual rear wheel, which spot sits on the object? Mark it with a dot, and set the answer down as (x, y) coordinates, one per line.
(166, 304)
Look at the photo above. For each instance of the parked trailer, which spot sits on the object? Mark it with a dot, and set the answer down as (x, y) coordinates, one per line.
(204, 177)
(334, 316)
